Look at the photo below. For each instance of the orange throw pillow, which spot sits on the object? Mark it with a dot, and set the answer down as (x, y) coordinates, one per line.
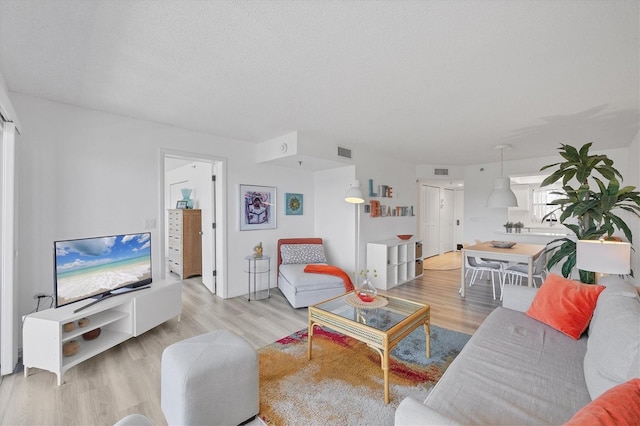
(619, 406)
(565, 305)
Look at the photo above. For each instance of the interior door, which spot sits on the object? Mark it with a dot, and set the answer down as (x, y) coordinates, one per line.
(446, 221)
(458, 215)
(431, 223)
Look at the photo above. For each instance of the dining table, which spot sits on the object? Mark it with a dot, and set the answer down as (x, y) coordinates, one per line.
(518, 253)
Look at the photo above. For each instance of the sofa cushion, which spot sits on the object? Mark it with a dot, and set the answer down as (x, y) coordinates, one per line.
(565, 305)
(302, 253)
(613, 348)
(619, 406)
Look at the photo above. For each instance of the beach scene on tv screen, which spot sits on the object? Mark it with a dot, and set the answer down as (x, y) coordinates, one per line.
(94, 266)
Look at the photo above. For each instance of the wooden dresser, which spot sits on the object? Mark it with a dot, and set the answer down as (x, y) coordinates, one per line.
(185, 242)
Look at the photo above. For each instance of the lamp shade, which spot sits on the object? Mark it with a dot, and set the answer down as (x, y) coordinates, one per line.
(502, 195)
(607, 257)
(354, 194)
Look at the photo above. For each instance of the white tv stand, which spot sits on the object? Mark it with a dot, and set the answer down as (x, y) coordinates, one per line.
(120, 318)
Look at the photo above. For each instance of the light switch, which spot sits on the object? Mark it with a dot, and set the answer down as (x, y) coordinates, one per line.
(149, 224)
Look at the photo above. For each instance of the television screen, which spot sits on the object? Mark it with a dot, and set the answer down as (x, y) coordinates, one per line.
(91, 267)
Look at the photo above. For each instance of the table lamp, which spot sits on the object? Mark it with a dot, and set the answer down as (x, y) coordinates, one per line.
(603, 257)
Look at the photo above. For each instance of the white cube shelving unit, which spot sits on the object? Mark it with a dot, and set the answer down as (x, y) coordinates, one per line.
(395, 261)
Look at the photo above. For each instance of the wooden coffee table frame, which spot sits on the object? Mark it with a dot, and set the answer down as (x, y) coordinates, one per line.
(383, 341)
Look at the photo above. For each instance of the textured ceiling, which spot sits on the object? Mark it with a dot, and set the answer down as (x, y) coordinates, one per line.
(430, 82)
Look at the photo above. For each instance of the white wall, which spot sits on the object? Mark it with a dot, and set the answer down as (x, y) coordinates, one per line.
(632, 177)
(335, 220)
(84, 173)
(401, 177)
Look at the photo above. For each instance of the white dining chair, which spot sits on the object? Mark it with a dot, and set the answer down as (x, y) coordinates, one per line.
(515, 273)
(478, 268)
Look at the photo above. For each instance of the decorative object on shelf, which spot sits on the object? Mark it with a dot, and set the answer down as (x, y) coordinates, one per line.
(70, 348)
(508, 227)
(257, 207)
(405, 236)
(354, 196)
(502, 195)
(603, 257)
(384, 191)
(375, 208)
(186, 196)
(502, 244)
(587, 211)
(518, 227)
(181, 204)
(293, 204)
(83, 322)
(93, 334)
(371, 193)
(70, 326)
(352, 299)
(257, 250)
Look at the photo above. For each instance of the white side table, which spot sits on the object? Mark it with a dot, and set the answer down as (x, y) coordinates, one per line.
(257, 266)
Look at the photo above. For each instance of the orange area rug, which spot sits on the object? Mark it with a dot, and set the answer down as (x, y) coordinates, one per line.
(343, 383)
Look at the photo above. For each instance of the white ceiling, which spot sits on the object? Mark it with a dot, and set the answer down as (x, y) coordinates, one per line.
(430, 82)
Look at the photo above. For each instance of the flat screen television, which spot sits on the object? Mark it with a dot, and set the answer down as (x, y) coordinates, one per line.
(96, 267)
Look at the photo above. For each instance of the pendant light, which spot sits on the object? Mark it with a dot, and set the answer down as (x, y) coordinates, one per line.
(502, 195)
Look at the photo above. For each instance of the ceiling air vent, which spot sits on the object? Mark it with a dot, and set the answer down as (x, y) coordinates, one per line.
(441, 172)
(344, 152)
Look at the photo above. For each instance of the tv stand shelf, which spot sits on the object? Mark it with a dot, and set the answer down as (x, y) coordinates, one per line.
(119, 317)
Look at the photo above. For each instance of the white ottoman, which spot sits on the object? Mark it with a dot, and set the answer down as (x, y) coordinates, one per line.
(211, 379)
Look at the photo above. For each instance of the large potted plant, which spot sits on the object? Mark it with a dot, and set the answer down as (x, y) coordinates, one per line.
(588, 210)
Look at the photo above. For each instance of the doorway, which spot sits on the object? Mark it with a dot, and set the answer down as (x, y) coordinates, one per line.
(440, 221)
(204, 176)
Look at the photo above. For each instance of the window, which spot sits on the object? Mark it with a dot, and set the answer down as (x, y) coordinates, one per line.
(541, 200)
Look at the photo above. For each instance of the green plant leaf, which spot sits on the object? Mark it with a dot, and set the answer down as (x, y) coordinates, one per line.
(592, 208)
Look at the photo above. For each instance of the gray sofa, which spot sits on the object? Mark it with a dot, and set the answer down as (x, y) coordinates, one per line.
(517, 370)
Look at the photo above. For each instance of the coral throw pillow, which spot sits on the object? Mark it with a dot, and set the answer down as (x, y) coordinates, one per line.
(565, 305)
(619, 406)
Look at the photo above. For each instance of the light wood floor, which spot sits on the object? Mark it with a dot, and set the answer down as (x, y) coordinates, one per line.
(126, 379)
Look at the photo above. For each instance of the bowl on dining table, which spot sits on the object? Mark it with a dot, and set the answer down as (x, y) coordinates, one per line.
(502, 244)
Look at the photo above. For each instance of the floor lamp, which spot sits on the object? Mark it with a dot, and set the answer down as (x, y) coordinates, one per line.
(354, 196)
(603, 257)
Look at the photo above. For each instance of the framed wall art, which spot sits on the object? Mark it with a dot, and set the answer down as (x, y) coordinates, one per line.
(293, 204)
(257, 207)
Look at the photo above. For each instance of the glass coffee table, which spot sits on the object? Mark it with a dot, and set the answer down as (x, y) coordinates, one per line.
(380, 328)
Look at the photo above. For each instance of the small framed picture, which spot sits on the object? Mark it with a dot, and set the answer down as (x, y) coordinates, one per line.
(293, 204)
(257, 207)
(181, 204)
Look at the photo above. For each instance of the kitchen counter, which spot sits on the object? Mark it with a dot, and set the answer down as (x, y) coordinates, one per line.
(539, 232)
(534, 235)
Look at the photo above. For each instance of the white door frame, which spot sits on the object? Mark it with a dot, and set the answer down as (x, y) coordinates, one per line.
(8, 290)
(219, 165)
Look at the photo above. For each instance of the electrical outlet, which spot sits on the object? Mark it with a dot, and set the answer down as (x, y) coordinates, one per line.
(40, 295)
